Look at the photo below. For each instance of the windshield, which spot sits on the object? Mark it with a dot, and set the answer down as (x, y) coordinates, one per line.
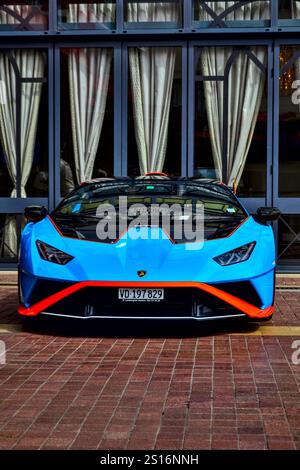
(217, 200)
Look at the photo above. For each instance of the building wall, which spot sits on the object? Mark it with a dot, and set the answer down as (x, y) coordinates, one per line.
(113, 88)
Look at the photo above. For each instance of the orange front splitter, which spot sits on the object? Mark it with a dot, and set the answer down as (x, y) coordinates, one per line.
(250, 310)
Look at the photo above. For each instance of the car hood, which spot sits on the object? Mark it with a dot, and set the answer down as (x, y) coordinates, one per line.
(155, 253)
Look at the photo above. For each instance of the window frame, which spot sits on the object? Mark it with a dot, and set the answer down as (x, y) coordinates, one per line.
(116, 47)
(251, 203)
(17, 205)
(125, 82)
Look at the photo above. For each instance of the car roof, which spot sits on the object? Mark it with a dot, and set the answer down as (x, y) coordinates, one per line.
(154, 178)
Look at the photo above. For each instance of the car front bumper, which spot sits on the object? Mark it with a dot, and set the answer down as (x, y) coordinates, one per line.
(184, 300)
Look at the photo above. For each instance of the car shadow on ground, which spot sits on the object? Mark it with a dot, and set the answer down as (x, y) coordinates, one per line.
(96, 328)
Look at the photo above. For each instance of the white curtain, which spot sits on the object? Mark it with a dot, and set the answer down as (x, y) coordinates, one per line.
(295, 9)
(245, 89)
(92, 13)
(153, 12)
(152, 74)
(89, 73)
(257, 10)
(22, 11)
(30, 64)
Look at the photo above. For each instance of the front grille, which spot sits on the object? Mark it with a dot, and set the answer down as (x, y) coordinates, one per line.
(103, 301)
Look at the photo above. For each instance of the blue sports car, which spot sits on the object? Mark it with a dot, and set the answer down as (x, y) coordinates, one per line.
(150, 247)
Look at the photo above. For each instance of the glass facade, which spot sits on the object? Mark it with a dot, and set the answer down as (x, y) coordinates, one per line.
(154, 110)
(232, 14)
(10, 229)
(289, 240)
(289, 122)
(87, 115)
(115, 87)
(87, 15)
(153, 14)
(231, 116)
(289, 12)
(31, 15)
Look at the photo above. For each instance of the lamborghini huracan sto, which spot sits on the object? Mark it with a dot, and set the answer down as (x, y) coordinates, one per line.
(91, 258)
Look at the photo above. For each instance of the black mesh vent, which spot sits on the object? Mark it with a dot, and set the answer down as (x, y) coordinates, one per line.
(46, 288)
(243, 290)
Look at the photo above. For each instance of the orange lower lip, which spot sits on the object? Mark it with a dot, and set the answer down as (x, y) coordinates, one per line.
(250, 310)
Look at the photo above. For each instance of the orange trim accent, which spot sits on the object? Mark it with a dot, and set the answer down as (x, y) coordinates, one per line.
(168, 235)
(56, 228)
(251, 310)
(156, 173)
(234, 187)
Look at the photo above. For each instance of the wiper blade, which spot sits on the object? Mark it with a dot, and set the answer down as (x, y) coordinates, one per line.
(75, 216)
(226, 227)
(221, 215)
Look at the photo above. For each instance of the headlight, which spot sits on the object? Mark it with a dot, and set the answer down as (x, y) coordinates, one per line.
(49, 253)
(236, 256)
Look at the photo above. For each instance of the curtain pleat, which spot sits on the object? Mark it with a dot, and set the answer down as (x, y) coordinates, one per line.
(295, 5)
(89, 73)
(257, 10)
(152, 75)
(245, 89)
(91, 13)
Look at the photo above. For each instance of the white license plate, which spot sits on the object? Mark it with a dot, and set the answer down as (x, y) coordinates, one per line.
(141, 295)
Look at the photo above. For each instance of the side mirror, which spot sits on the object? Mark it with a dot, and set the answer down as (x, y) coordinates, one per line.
(267, 214)
(35, 213)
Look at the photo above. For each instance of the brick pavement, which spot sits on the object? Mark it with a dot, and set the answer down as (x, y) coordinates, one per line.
(149, 386)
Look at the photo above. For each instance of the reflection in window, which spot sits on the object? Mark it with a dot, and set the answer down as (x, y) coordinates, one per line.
(11, 226)
(296, 10)
(254, 177)
(21, 159)
(23, 15)
(154, 117)
(289, 10)
(87, 138)
(161, 14)
(22, 154)
(230, 116)
(289, 122)
(224, 14)
(289, 239)
(87, 14)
